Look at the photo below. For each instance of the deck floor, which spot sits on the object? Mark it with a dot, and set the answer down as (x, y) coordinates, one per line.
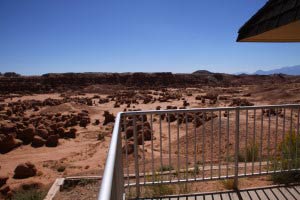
(268, 193)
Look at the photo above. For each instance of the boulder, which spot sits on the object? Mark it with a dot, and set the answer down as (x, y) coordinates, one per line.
(8, 142)
(27, 135)
(83, 122)
(140, 140)
(108, 118)
(240, 102)
(38, 141)
(71, 133)
(147, 134)
(52, 141)
(129, 147)
(25, 170)
(129, 132)
(4, 189)
(97, 122)
(3, 180)
(61, 132)
(7, 128)
(42, 133)
(171, 117)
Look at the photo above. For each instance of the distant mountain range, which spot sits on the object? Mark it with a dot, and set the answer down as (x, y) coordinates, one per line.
(294, 70)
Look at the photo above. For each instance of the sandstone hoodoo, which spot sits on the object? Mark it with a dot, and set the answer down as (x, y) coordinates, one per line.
(25, 170)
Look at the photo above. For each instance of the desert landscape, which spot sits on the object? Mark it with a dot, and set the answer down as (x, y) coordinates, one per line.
(60, 125)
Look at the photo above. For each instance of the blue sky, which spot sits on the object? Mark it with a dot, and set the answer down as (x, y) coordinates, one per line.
(40, 36)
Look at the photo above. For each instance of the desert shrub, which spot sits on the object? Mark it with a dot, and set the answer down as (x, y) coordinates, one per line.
(166, 168)
(61, 168)
(228, 184)
(250, 153)
(159, 190)
(289, 159)
(196, 169)
(29, 195)
(100, 137)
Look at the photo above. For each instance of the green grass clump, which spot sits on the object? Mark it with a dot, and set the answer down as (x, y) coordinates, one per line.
(249, 154)
(228, 184)
(29, 195)
(166, 168)
(159, 190)
(289, 158)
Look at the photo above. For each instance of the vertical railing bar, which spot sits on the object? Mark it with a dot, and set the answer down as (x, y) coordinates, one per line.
(152, 148)
(119, 167)
(276, 139)
(211, 144)
(143, 142)
(160, 139)
(246, 143)
(283, 135)
(203, 144)
(178, 160)
(297, 138)
(137, 177)
(268, 148)
(237, 141)
(220, 124)
(126, 151)
(261, 140)
(290, 140)
(195, 140)
(169, 134)
(227, 145)
(186, 146)
(254, 139)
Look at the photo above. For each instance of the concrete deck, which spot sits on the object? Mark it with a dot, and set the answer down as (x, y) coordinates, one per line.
(267, 193)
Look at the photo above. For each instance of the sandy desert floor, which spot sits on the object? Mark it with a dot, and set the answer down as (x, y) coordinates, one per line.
(86, 154)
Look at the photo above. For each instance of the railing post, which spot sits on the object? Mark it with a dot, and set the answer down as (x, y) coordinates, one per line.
(136, 158)
(237, 146)
(118, 171)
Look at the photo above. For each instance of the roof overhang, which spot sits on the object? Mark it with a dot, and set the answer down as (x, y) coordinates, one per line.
(276, 21)
(286, 33)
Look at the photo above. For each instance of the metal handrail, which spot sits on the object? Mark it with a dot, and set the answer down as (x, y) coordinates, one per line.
(109, 171)
(208, 109)
(113, 178)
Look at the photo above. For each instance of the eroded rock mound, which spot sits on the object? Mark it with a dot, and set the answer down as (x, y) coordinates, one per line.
(52, 141)
(108, 117)
(25, 170)
(241, 102)
(8, 142)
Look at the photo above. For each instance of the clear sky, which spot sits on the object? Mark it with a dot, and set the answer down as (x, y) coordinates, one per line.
(40, 36)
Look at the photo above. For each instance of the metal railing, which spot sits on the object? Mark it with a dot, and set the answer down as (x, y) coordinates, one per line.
(150, 148)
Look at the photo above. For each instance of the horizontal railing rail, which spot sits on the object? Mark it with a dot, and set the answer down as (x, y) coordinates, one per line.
(162, 147)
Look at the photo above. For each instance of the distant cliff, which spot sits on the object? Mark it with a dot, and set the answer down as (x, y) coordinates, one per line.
(75, 81)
